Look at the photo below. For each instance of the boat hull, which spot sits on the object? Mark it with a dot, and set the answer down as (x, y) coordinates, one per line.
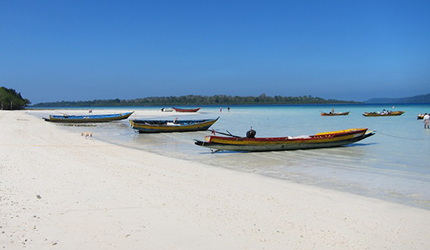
(321, 140)
(162, 126)
(88, 118)
(186, 110)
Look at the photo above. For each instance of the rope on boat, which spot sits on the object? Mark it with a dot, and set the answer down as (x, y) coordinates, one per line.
(400, 137)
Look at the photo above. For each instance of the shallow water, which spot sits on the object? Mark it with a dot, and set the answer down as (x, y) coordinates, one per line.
(391, 165)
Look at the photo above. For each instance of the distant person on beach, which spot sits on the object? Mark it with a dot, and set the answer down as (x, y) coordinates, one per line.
(426, 120)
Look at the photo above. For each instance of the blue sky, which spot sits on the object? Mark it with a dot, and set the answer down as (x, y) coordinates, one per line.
(74, 50)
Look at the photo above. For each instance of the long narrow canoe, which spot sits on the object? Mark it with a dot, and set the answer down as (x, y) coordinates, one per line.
(389, 113)
(157, 126)
(320, 140)
(88, 118)
(334, 114)
(186, 110)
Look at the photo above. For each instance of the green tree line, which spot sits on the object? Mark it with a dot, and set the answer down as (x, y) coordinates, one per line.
(190, 100)
(11, 100)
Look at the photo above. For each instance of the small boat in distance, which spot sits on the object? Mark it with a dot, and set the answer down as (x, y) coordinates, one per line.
(334, 113)
(384, 113)
(186, 110)
(88, 118)
(158, 126)
(320, 140)
(167, 110)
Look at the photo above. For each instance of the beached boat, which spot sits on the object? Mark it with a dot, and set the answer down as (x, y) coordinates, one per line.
(320, 140)
(157, 126)
(420, 116)
(88, 118)
(334, 113)
(384, 113)
(186, 110)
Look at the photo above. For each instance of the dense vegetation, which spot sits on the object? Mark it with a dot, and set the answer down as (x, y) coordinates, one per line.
(413, 99)
(11, 100)
(195, 100)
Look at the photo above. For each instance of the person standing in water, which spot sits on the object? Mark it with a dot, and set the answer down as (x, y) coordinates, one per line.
(426, 120)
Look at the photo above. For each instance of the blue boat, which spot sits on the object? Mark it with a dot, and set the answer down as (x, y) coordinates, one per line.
(88, 118)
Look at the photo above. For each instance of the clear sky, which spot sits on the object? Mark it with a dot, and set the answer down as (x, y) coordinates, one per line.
(56, 50)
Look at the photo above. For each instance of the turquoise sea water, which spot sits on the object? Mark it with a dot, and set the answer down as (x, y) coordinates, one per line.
(391, 165)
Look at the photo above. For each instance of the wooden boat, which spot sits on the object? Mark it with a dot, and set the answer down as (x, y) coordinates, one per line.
(320, 140)
(387, 113)
(186, 110)
(334, 113)
(420, 116)
(88, 118)
(157, 126)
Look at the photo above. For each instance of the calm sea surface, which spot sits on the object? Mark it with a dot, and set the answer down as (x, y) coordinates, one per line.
(391, 165)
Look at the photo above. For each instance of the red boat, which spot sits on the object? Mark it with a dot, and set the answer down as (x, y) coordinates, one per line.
(186, 110)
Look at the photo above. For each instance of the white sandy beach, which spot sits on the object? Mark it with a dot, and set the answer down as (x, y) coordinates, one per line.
(59, 190)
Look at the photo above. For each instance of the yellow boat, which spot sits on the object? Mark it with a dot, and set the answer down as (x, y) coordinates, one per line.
(386, 113)
(157, 126)
(320, 140)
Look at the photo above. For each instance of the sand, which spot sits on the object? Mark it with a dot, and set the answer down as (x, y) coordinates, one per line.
(59, 190)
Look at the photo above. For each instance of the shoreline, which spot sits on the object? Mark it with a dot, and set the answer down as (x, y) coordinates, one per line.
(59, 189)
(411, 193)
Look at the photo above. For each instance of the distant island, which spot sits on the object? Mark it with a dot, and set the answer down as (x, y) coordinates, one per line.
(190, 100)
(413, 99)
(11, 100)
